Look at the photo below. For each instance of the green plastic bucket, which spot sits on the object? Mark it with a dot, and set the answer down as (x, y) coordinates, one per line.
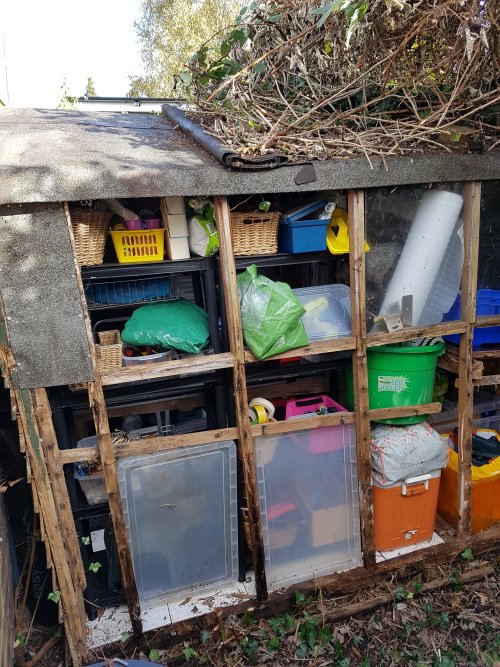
(397, 376)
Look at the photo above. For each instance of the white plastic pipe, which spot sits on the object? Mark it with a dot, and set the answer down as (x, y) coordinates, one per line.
(423, 251)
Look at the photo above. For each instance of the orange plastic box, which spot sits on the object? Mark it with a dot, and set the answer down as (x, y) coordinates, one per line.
(485, 494)
(405, 512)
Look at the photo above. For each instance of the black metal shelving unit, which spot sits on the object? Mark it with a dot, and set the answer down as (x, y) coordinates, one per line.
(202, 272)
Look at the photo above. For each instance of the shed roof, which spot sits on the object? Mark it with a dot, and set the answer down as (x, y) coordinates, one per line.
(48, 156)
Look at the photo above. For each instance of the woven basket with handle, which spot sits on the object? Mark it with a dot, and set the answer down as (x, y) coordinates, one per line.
(89, 231)
(254, 233)
(109, 351)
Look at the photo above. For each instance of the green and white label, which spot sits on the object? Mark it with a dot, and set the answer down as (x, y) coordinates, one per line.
(394, 383)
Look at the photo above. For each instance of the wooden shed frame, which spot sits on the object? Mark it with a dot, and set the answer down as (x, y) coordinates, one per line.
(45, 461)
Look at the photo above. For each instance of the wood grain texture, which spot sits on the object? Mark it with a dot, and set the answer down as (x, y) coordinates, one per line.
(188, 366)
(360, 371)
(71, 597)
(52, 455)
(228, 273)
(390, 338)
(317, 347)
(152, 445)
(98, 407)
(471, 217)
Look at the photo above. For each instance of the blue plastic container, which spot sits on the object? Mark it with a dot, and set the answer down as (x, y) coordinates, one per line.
(300, 233)
(488, 303)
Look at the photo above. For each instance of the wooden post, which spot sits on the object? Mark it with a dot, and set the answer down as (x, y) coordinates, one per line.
(360, 371)
(71, 597)
(228, 272)
(55, 470)
(471, 216)
(108, 462)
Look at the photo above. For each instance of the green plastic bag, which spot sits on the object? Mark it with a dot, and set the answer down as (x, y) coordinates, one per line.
(270, 315)
(172, 325)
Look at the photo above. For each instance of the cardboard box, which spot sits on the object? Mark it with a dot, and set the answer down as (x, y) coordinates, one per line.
(329, 525)
(177, 226)
(178, 248)
(175, 205)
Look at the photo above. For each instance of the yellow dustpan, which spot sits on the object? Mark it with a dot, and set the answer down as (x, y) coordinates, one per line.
(337, 233)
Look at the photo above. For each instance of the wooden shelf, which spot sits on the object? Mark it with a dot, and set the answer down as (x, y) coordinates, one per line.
(487, 321)
(186, 366)
(431, 331)
(318, 347)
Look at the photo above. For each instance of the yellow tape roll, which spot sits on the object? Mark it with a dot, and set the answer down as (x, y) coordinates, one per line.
(261, 413)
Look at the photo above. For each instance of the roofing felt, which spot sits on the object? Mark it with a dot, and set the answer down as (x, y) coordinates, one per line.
(48, 156)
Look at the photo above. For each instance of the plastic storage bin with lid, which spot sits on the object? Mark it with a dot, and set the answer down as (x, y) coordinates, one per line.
(399, 375)
(304, 228)
(485, 485)
(180, 509)
(91, 477)
(487, 303)
(328, 311)
(308, 504)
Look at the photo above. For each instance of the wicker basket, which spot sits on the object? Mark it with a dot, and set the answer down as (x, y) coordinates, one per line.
(109, 351)
(89, 231)
(255, 233)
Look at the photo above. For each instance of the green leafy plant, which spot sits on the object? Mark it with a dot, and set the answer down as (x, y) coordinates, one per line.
(86, 541)
(95, 567)
(154, 655)
(189, 653)
(467, 554)
(55, 596)
(265, 206)
(401, 593)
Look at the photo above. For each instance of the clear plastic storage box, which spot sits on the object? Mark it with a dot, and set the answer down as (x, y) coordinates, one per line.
(180, 510)
(328, 311)
(309, 504)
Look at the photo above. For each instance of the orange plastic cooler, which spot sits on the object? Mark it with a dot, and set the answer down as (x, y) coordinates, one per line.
(405, 512)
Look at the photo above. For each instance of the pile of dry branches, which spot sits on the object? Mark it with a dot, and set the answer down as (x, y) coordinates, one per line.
(382, 77)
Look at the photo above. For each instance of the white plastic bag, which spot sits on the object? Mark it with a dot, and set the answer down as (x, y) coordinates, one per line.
(399, 452)
(203, 239)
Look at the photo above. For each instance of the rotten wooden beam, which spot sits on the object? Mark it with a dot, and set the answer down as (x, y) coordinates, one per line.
(410, 333)
(471, 218)
(228, 273)
(356, 211)
(108, 461)
(191, 365)
(316, 347)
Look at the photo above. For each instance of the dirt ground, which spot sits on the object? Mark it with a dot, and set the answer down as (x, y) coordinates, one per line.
(457, 625)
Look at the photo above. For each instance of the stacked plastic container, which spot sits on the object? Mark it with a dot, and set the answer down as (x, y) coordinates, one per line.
(487, 303)
(308, 495)
(328, 311)
(180, 509)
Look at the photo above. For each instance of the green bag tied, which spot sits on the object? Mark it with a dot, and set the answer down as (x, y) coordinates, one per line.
(270, 315)
(172, 325)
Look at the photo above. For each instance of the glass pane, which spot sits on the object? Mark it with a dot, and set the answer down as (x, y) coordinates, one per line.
(414, 265)
(488, 272)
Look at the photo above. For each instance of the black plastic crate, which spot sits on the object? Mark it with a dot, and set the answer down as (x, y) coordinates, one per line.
(97, 544)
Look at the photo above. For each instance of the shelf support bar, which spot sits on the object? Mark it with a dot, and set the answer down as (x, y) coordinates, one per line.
(356, 208)
(228, 273)
(471, 216)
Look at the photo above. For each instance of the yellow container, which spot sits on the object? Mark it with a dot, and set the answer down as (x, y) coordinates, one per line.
(145, 245)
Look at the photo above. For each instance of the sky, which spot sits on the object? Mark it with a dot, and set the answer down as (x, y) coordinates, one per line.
(47, 41)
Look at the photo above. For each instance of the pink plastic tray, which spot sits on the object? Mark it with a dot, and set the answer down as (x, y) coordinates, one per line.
(320, 440)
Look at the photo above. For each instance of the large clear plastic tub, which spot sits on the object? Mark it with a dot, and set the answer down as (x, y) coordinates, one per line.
(308, 503)
(180, 510)
(328, 311)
